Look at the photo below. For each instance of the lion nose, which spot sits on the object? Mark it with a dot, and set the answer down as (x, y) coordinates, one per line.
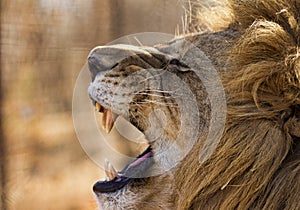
(104, 58)
(100, 60)
(95, 66)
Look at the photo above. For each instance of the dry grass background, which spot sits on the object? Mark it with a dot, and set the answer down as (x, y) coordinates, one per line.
(44, 44)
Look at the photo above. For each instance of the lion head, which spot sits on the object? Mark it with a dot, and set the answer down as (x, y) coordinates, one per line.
(172, 93)
(162, 96)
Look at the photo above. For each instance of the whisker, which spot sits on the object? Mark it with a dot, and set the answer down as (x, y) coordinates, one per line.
(138, 41)
(153, 76)
(155, 95)
(141, 116)
(160, 103)
(159, 91)
(164, 91)
(136, 104)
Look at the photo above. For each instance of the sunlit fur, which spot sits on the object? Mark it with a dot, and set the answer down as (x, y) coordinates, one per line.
(257, 162)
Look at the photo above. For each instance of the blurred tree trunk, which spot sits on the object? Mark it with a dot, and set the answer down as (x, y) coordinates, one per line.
(116, 18)
(2, 143)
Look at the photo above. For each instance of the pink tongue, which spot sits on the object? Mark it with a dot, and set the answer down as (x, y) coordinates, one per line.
(139, 160)
(139, 167)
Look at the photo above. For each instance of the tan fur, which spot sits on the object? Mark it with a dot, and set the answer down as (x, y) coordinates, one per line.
(206, 15)
(257, 164)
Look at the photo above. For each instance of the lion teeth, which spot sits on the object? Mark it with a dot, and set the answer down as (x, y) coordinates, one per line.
(98, 107)
(107, 120)
(110, 171)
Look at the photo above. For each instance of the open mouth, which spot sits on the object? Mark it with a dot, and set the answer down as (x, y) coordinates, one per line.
(136, 169)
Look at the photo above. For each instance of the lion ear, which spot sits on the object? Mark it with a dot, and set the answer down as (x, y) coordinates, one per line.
(104, 58)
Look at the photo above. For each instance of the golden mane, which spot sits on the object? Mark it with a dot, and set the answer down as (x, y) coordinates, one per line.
(257, 163)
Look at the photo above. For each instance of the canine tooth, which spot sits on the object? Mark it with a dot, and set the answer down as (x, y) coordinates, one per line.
(106, 165)
(110, 171)
(98, 107)
(109, 121)
(113, 172)
(104, 120)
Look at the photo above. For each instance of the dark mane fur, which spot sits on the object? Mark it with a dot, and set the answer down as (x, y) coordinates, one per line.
(257, 164)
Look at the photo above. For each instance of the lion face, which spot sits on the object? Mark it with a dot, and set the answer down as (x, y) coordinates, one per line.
(142, 84)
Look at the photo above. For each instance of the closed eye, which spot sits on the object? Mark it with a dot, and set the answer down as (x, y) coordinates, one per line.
(174, 61)
(180, 66)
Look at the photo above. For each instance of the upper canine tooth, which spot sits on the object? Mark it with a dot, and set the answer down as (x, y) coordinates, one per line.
(104, 116)
(109, 121)
(98, 107)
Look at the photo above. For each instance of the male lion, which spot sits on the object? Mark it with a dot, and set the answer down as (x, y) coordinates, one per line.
(256, 164)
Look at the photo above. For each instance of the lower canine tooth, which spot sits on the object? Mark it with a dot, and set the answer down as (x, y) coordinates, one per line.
(113, 172)
(110, 171)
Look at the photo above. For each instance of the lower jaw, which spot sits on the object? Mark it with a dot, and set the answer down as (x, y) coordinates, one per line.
(133, 171)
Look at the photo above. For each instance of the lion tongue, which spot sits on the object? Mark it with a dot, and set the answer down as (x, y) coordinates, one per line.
(116, 181)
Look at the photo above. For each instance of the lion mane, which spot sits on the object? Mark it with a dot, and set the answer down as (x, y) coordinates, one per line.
(257, 163)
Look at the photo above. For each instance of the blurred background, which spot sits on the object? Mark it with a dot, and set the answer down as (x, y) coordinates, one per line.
(44, 45)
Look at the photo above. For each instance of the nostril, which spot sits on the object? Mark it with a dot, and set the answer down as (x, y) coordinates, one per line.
(91, 59)
(99, 63)
(93, 67)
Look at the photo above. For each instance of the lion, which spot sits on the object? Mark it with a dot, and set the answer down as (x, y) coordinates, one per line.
(256, 162)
